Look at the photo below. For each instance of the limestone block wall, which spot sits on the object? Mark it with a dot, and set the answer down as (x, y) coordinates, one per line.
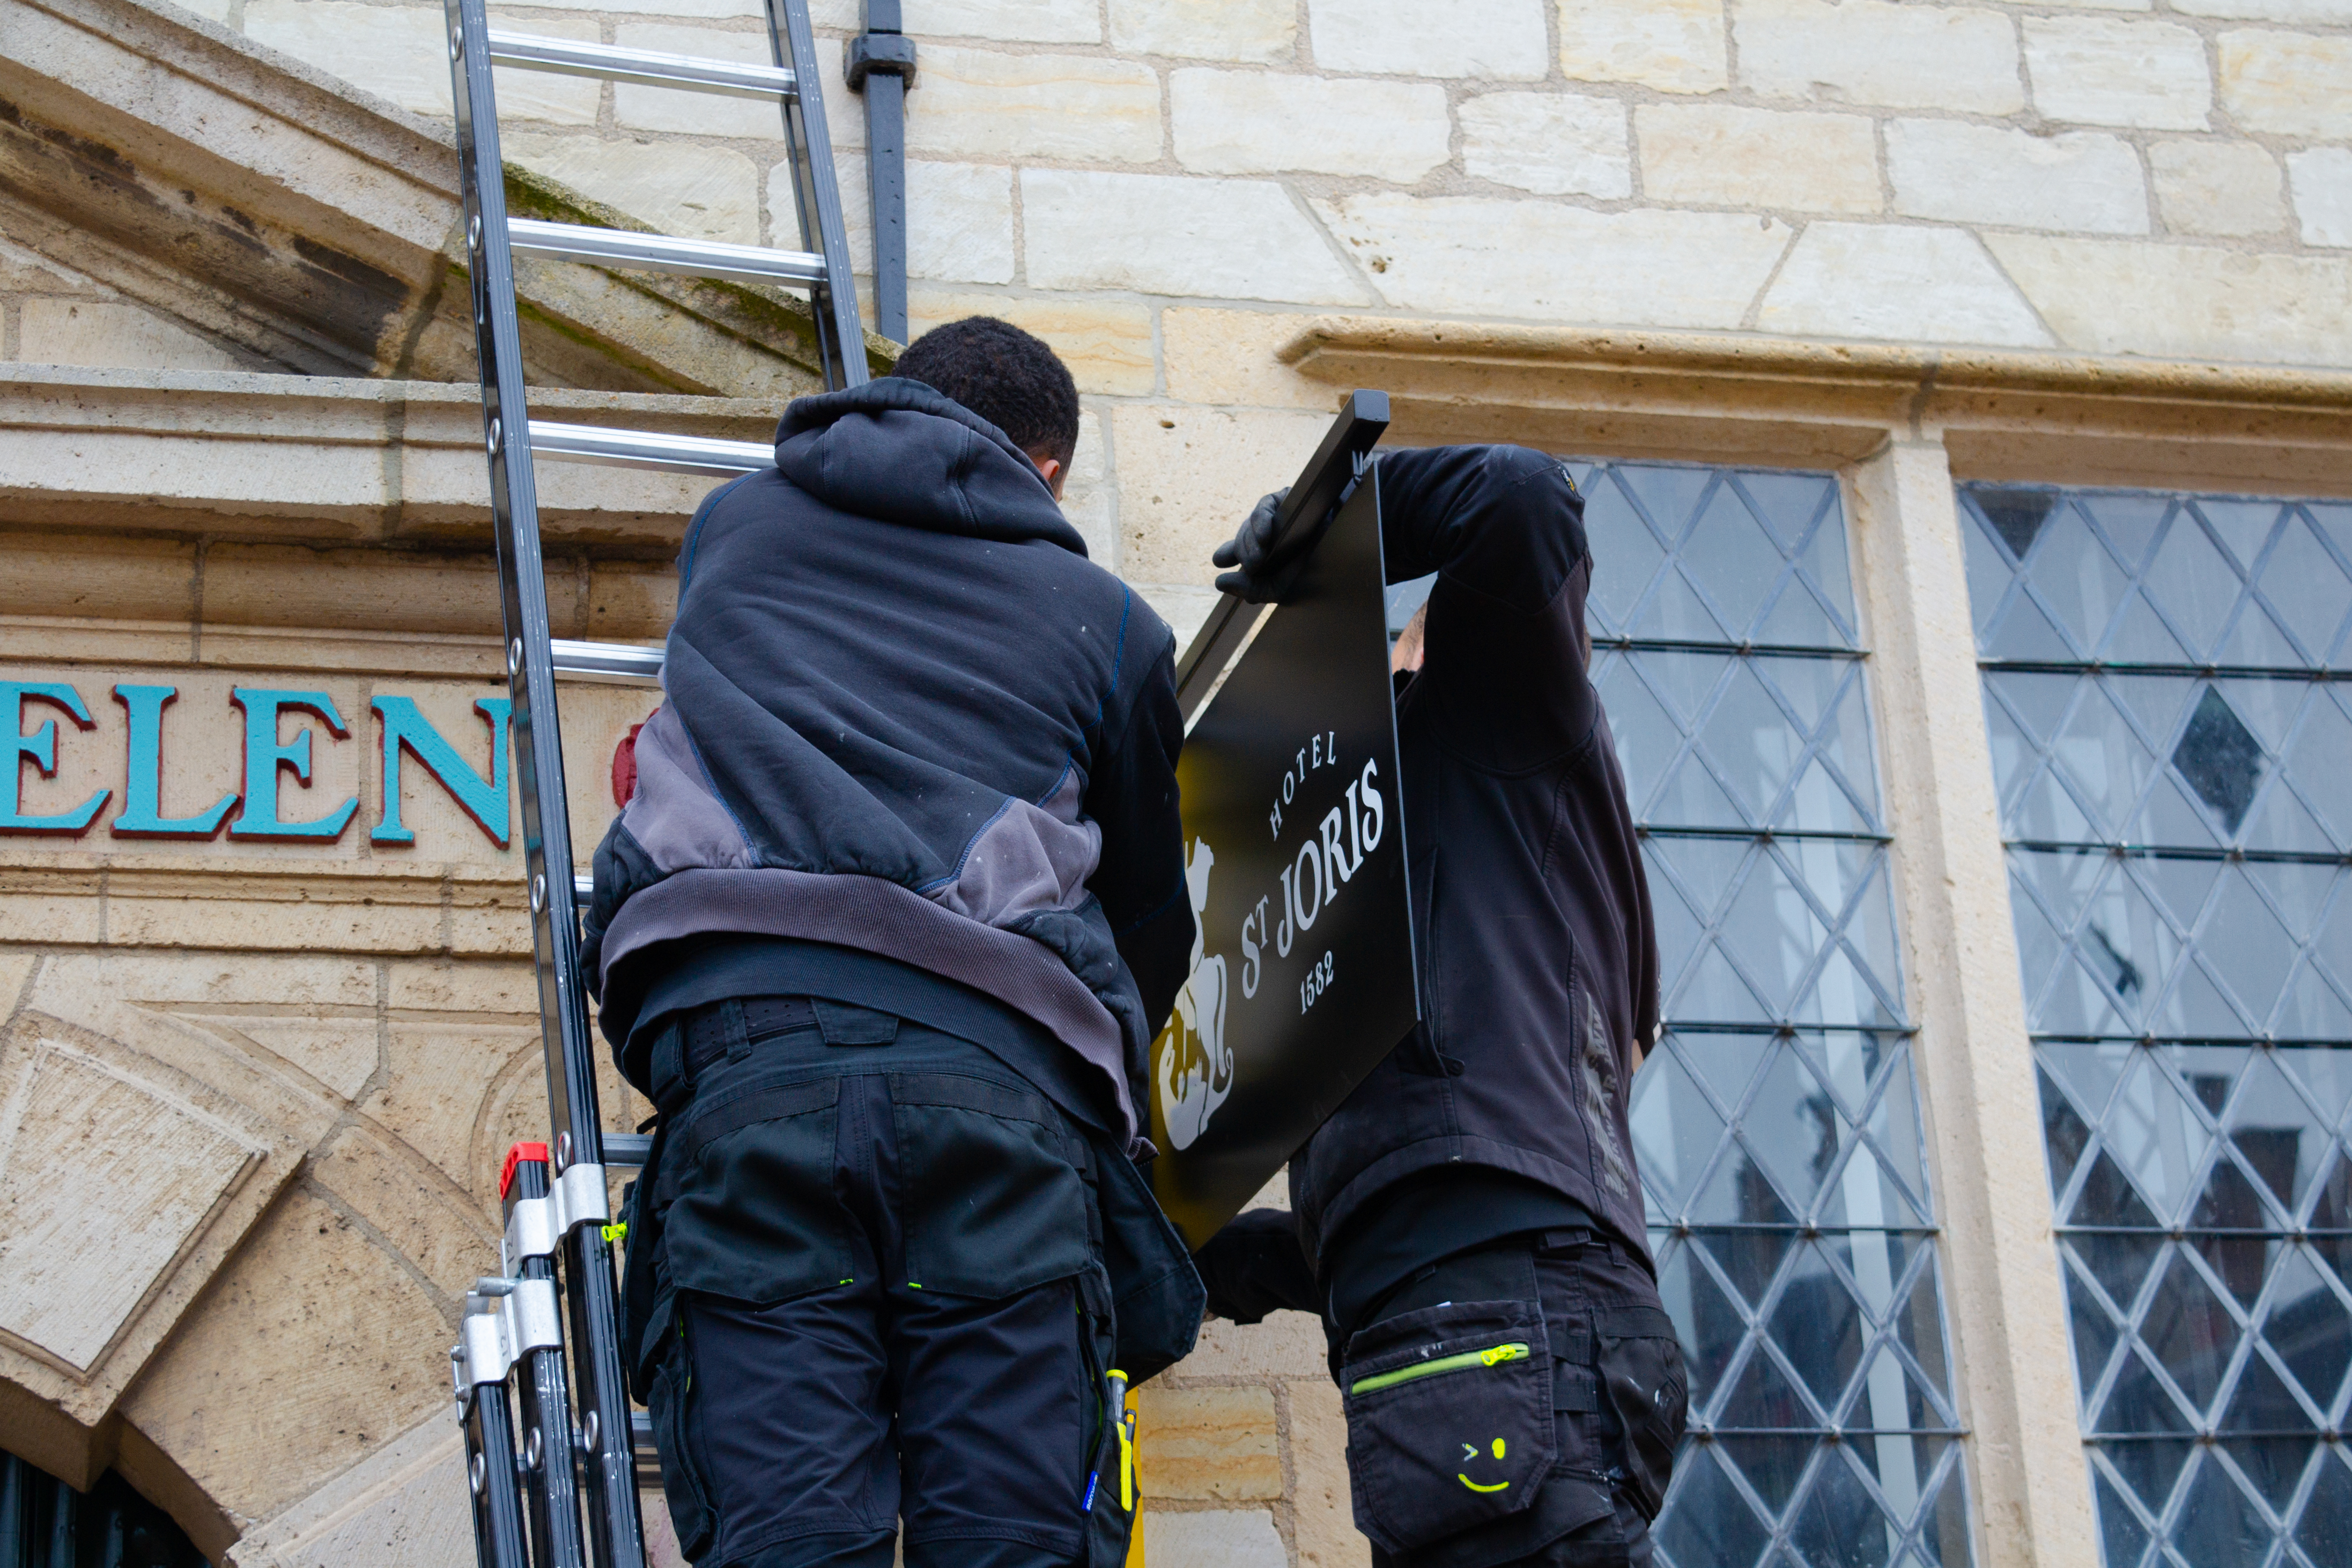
(55, 314)
(258, 1075)
(175, 196)
(1150, 182)
(1247, 1458)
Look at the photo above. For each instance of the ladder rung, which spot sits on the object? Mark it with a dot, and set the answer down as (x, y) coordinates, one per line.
(621, 663)
(649, 449)
(649, 1457)
(691, 72)
(627, 1147)
(583, 886)
(665, 253)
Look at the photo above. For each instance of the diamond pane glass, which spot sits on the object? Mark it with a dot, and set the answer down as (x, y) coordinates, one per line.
(1777, 1119)
(2170, 744)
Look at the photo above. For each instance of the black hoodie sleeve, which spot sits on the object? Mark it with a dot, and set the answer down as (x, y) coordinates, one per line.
(1502, 527)
(1131, 795)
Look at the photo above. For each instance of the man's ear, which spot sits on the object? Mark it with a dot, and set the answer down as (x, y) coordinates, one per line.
(1050, 469)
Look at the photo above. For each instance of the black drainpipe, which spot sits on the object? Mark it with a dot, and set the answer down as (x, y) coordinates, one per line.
(881, 65)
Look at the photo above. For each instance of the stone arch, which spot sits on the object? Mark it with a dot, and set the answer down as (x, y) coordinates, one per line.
(240, 1198)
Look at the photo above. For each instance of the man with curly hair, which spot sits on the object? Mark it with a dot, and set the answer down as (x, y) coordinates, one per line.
(884, 931)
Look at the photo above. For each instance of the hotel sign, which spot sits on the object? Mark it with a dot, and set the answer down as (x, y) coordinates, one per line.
(1303, 974)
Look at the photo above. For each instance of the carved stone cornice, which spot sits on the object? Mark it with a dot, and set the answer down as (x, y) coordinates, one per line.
(316, 228)
(326, 460)
(2085, 419)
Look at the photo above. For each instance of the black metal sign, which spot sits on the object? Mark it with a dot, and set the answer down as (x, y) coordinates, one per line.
(1303, 974)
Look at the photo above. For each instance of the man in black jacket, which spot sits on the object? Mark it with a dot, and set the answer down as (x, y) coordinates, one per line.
(884, 930)
(1469, 1224)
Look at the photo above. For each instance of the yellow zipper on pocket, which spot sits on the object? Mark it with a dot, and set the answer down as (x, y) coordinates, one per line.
(1494, 1356)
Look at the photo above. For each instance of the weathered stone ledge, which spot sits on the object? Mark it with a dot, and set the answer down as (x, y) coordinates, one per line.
(1325, 343)
(131, 901)
(326, 460)
(2070, 419)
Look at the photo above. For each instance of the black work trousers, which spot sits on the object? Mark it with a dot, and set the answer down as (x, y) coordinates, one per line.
(1516, 1404)
(885, 1293)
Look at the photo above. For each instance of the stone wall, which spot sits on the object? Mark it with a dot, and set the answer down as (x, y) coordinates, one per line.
(258, 1076)
(329, 241)
(1170, 190)
(1149, 182)
(1246, 1458)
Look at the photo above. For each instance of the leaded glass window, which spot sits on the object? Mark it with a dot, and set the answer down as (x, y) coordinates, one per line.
(1776, 1121)
(2171, 728)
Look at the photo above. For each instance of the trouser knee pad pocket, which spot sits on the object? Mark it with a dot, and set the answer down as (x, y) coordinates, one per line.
(1449, 1418)
(666, 1403)
(1644, 1386)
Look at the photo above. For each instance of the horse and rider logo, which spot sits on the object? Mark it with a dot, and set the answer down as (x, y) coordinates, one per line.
(1196, 1065)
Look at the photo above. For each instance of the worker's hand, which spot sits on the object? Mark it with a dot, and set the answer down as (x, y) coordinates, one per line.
(1256, 1266)
(1246, 552)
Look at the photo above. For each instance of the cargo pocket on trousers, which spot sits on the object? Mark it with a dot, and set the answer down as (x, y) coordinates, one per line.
(992, 1206)
(1449, 1419)
(1643, 1379)
(755, 1218)
(1112, 1489)
(665, 1405)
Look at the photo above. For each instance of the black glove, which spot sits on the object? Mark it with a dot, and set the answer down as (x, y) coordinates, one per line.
(1247, 551)
(1255, 1265)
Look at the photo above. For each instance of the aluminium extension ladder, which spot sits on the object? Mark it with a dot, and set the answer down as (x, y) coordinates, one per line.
(552, 1489)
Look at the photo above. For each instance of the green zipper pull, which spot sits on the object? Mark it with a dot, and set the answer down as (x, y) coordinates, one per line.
(1492, 1355)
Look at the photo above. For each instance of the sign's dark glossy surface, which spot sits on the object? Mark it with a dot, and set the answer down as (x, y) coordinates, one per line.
(1303, 975)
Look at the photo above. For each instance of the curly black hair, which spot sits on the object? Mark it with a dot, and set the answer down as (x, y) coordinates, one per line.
(1007, 377)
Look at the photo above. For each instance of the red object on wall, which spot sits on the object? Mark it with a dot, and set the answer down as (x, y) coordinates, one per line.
(625, 766)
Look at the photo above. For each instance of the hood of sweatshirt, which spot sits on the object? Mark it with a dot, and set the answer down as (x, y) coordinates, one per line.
(897, 450)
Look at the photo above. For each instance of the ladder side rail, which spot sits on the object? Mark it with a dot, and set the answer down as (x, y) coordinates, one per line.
(491, 1478)
(840, 337)
(550, 1485)
(550, 1481)
(614, 1528)
(592, 1302)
